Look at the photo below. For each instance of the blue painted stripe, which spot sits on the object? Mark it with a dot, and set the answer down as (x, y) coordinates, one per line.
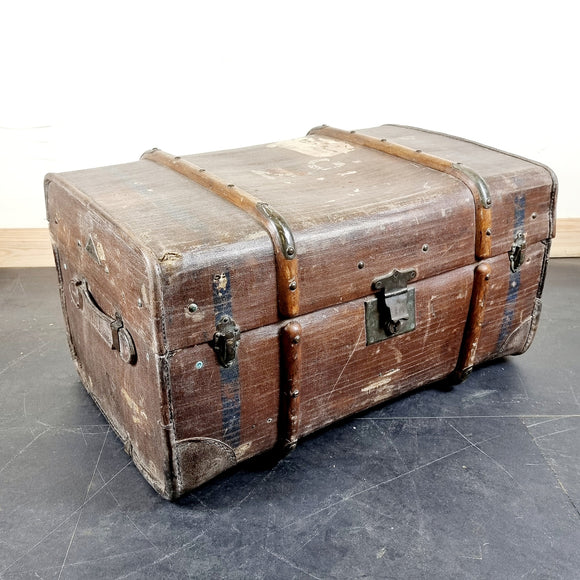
(229, 377)
(514, 279)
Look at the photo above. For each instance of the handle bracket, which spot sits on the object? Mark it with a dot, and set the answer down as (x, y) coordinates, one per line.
(112, 330)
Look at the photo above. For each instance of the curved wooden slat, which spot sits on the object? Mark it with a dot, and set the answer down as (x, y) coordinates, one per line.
(282, 239)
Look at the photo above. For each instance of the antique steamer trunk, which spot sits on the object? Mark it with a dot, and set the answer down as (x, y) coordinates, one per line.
(224, 304)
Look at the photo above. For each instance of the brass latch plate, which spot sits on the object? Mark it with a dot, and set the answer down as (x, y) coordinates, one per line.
(392, 311)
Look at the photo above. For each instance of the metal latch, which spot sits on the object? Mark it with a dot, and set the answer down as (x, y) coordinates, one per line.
(517, 253)
(392, 311)
(226, 341)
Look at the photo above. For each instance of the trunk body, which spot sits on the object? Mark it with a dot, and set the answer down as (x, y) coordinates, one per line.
(221, 305)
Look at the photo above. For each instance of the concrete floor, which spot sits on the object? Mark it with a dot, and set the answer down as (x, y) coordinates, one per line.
(479, 482)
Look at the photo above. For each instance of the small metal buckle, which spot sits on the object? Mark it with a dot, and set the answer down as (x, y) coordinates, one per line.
(517, 254)
(392, 311)
(226, 341)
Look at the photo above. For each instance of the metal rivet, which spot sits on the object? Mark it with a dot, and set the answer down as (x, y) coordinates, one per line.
(293, 285)
(534, 215)
(177, 158)
(140, 303)
(199, 365)
(79, 243)
(201, 170)
(290, 251)
(418, 151)
(296, 339)
(269, 420)
(231, 185)
(425, 247)
(225, 320)
(413, 274)
(192, 307)
(383, 140)
(361, 265)
(488, 232)
(295, 393)
(351, 132)
(64, 266)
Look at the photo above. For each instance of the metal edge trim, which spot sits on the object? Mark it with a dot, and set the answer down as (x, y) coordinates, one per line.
(478, 181)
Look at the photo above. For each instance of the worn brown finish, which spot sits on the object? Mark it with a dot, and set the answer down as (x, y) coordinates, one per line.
(511, 305)
(508, 177)
(474, 321)
(477, 186)
(338, 206)
(271, 221)
(153, 255)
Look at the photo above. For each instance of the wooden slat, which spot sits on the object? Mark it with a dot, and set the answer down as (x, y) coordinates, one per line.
(30, 247)
(566, 244)
(266, 216)
(25, 248)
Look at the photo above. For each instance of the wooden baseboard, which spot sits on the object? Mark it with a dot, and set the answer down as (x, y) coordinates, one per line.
(25, 248)
(30, 248)
(566, 244)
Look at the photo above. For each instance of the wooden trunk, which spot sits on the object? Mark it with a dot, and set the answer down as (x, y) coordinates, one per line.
(225, 304)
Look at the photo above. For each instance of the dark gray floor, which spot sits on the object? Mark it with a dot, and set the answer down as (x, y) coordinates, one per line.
(479, 482)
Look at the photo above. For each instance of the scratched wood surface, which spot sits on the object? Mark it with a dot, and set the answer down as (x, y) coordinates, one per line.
(337, 199)
(169, 259)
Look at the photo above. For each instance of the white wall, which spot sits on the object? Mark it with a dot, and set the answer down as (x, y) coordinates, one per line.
(86, 86)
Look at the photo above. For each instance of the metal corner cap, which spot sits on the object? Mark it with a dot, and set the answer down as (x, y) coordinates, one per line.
(149, 152)
(285, 236)
(479, 182)
(317, 128)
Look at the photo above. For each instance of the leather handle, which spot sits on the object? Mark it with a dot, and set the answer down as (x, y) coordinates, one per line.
(111, 330)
